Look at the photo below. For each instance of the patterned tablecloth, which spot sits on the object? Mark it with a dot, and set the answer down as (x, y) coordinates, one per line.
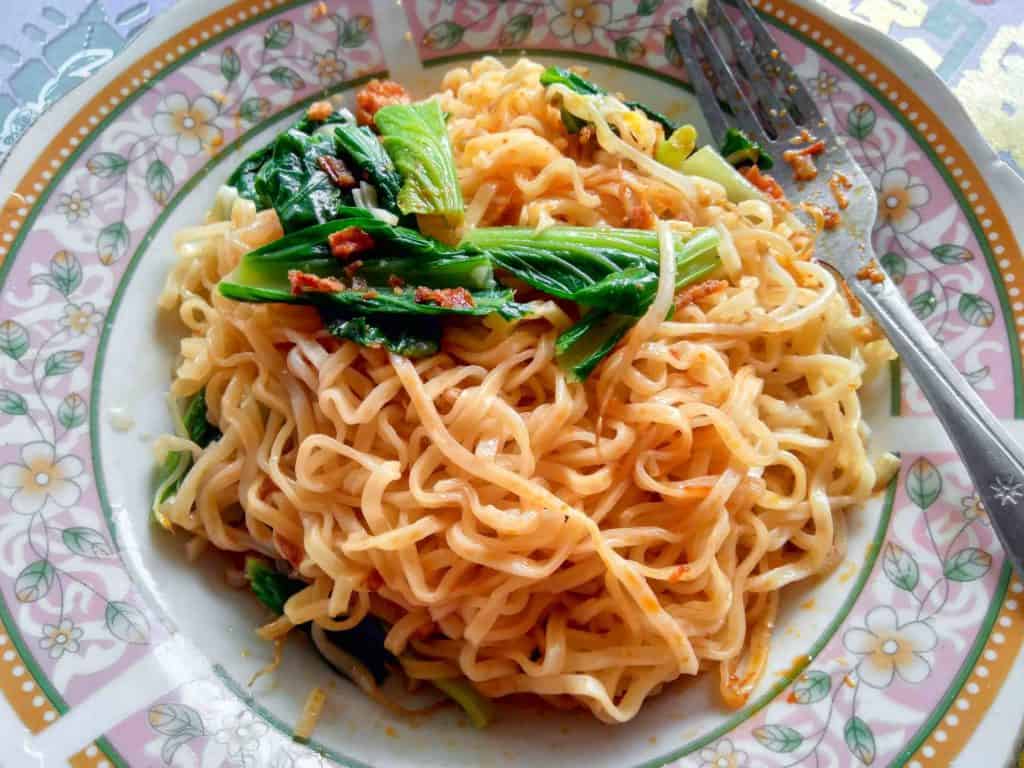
(974, 45)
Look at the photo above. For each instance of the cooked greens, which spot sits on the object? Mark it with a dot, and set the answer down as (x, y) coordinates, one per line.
(193, 425)
(739, 149)
(415, 137)
(610, 269)
(363, 154)
(578, 84)
(588, 342)
(364, 642)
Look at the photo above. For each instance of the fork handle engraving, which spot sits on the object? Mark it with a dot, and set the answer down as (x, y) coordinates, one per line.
(993, 459)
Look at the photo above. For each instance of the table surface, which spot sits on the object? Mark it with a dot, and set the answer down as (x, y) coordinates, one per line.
(971, 44)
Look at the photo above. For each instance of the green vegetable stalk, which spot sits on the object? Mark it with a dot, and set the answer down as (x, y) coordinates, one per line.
(415, 137)
(581, 348)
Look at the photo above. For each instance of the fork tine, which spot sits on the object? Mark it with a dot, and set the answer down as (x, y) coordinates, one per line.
(730, 89)
(768, 55)
(773, 114)
(703, 89)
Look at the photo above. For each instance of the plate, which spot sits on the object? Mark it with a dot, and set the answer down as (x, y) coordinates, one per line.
(115, 651)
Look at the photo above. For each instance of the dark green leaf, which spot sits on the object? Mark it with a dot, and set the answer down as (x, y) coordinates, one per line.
(860, 121)
(159, 181)
(923, 304)
(968, 564)
(112, 242)
(411, 337)
(107, 165)
(672, 52)
(896, 266)
(778, 738)
(860, 740)
(363, 153)
(924, 483)
(197, 428)
(812, 686)
(629, 48)
(127, 623)
(354, 32)
(976, 310)
(574, 82)
(34, 581)
(516, 30)
(13, 339)
(86, 542)
(12, 403)
(62, 362)
(294, 184)
(287, 77)
(647, 7)
(582, 347)
(254, 109)
(270, 587)
(230, 64)
(900, 567)
(738, 149)
(415, 137)
(592, 266)
(279, 34)
(443, 35)
(948, 253)
(71, 411)
(244, 176)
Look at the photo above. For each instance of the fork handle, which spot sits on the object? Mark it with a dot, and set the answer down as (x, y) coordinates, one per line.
(994, 461)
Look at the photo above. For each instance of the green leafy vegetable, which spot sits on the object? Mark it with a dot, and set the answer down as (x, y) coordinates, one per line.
(243, 178)
(574, 82)
(176, 465)
(270, 587)
(412, 338)
(364, 155)
(739, 149)
(415, 137)
(262, 275)
(588, 342)
(610, 269)
(364, 642)
(293, 183)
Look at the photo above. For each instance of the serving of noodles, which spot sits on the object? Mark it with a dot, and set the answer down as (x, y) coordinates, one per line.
(587, 542)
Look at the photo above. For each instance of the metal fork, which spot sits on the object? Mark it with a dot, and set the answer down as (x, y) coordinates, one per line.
(776, 111)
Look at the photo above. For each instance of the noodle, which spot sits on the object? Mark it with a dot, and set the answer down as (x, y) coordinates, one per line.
(587, 543)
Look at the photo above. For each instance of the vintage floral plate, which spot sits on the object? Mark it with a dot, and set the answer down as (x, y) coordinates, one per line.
(115, 651)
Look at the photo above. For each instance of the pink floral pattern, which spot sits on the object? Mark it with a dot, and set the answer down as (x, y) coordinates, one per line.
(64, 588)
